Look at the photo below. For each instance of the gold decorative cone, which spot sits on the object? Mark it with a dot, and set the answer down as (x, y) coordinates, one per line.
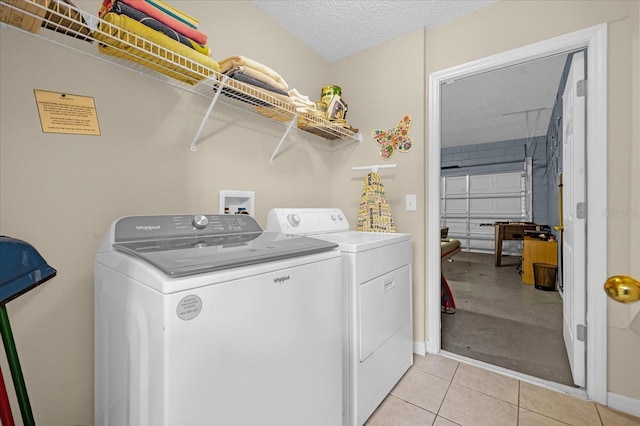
(375, 213)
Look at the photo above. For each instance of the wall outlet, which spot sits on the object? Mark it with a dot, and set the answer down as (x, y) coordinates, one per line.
(410, 201)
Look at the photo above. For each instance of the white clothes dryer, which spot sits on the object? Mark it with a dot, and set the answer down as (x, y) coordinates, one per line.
(208, 320)
(377, 274)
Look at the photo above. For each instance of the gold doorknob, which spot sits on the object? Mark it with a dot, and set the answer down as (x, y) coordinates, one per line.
(623, 288)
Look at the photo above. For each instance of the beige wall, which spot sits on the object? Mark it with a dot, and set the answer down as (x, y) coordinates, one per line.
(61, 192)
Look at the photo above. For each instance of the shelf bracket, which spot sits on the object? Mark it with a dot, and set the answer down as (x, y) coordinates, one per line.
(293, 121)
(206, 116)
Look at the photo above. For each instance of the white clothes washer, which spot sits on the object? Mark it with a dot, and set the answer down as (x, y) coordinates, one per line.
(208, 320)
(377, 273)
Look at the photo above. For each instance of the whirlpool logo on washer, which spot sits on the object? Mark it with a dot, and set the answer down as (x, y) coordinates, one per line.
(281, 280)
(147, 227)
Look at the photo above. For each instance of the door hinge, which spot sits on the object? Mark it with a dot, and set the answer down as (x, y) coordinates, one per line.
(582, 332)
(581, 210)
(581, 88)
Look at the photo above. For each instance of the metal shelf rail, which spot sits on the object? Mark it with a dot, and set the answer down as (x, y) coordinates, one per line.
(80, 31)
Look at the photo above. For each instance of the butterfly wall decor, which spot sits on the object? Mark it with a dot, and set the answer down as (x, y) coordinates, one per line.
(394, 139)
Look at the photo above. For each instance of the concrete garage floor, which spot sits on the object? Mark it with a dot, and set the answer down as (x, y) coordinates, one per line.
(503, 322)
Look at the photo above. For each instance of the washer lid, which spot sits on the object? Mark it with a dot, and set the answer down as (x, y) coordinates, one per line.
(189, 256)
(187, 245)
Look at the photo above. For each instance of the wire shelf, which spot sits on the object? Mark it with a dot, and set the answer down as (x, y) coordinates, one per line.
(168, 61)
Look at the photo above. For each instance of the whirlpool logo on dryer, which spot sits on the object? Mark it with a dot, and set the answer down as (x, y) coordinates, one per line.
(281, 280)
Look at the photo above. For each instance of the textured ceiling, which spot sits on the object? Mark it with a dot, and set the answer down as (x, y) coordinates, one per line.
(339, 28)
(511, 103)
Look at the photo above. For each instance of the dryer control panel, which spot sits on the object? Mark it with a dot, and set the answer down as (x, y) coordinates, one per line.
(307, 221)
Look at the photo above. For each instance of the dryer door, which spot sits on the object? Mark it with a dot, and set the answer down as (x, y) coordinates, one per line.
(385, 307)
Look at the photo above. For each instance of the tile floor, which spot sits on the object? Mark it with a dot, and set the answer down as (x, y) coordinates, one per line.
(441, 391)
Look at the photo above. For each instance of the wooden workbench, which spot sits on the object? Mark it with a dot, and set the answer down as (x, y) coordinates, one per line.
(509, 231)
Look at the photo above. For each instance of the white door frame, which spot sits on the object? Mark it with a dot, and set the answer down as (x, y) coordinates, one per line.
(595, 40)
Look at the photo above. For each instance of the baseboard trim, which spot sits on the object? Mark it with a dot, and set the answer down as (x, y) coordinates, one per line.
(420, 348)
(623, 403)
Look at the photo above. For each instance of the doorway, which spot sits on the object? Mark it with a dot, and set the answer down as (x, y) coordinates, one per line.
(594, 39)
(501, 143)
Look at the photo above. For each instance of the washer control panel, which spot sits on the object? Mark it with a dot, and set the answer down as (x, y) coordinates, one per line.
(306, 221)
(134, 228)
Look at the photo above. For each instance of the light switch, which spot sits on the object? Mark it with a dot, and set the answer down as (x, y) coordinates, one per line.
(410, 200)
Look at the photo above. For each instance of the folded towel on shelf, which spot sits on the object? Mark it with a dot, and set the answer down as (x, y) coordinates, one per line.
(258, 75)
(172, 11)
(124, 37)
(124, 9)
(240, 76)
(255, 92)
(302, 102)
(236, 61)
(105, 7)
(152, 11)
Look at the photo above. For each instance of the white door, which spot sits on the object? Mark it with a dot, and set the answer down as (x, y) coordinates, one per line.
(574, 218)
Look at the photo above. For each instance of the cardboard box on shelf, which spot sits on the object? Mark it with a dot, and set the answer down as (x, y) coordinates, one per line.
(17, 16)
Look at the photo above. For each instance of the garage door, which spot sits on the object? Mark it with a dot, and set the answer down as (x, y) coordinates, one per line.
(470, 204)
